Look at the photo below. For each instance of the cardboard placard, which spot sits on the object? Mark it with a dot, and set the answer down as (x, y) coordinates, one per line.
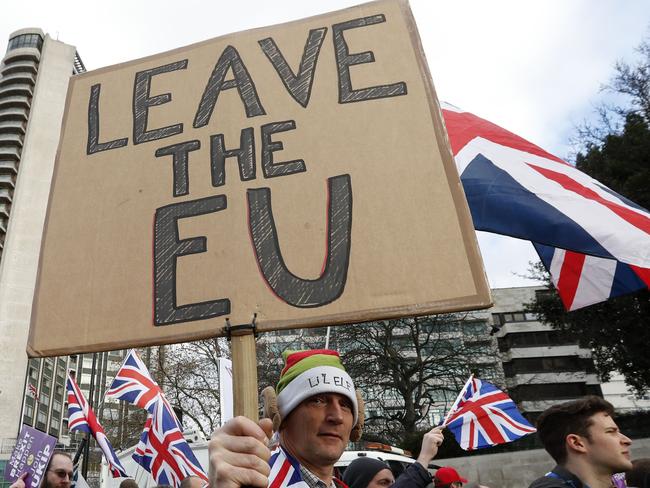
(299, 174)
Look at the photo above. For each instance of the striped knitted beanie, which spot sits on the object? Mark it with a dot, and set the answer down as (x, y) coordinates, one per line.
(312, 372)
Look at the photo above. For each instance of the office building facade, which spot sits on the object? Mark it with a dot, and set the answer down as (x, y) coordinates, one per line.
(542, 366)
(34, 78)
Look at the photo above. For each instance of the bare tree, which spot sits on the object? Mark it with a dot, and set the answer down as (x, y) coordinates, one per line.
(408, 366)
(189, 376)
(405, 368)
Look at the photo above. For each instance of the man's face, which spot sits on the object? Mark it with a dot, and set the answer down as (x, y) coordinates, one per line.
(317, 431)
(382, 479)
(59, 472)
(606, 446)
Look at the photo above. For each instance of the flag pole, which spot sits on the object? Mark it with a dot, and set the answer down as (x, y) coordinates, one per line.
(458, 398)
(84, 462)
(327, 338)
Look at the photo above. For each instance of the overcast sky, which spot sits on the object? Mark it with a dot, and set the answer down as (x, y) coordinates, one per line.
(535, 68)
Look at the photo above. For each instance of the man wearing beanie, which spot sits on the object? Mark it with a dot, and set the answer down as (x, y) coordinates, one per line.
(365, 472)
(371, 473)
(317, 411)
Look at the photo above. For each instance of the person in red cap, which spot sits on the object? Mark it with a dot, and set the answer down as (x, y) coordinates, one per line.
(448, 477)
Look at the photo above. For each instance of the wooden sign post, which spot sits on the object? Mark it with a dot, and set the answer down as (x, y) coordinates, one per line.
(244, 373)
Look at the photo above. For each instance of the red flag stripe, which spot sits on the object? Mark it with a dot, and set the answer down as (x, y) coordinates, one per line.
(497, 412)
(637, 220)
(471, 405)
(643, 273)
(282, 473)
(569, 278)
(472, 429)
(466, 126)
(490, 428)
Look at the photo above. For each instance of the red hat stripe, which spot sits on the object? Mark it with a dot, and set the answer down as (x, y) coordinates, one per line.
(296, 357)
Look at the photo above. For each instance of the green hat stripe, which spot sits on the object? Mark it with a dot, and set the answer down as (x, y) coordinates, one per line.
(308, 363)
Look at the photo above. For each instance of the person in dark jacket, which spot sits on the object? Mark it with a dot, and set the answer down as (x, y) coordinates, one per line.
(582, 437)
(366, 472)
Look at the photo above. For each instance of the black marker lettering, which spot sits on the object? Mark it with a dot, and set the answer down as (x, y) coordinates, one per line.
(245, 155)
(344, 60)
(269, 168)
(167, 248)
(93, 144)
(298, 85)
(179, 153)
(217, 82)
(142, 101)
(292, 289)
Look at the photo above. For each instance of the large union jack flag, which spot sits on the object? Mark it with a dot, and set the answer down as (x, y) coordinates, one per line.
(134, 384)
(82, 418)
(484, 416)
(163, 451)
(594, 242)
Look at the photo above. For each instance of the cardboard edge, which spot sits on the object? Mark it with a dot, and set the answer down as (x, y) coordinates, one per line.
(467, 303)
(31, 352)
(223, 37)
(470, 241)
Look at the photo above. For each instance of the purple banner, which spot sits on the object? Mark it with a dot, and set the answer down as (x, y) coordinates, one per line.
(618, 480)
(31, 455)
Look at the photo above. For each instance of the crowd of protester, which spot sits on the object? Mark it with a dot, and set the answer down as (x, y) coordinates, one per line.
(315, 411)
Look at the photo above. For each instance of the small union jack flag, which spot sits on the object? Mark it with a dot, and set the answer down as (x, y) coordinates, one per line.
(82, 418)
(163, 451)
(134, 384)
(484, 416)
(33, 391)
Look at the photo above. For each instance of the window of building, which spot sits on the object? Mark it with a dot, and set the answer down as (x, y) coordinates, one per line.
(550, 391)
(544, 365)
(480, 345)
(506, 317)
(535, 339)
(44, 399)
(25, 40)
(440, 327)
(475, 328)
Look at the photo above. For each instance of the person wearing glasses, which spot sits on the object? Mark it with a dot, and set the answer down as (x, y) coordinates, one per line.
(59, 473)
